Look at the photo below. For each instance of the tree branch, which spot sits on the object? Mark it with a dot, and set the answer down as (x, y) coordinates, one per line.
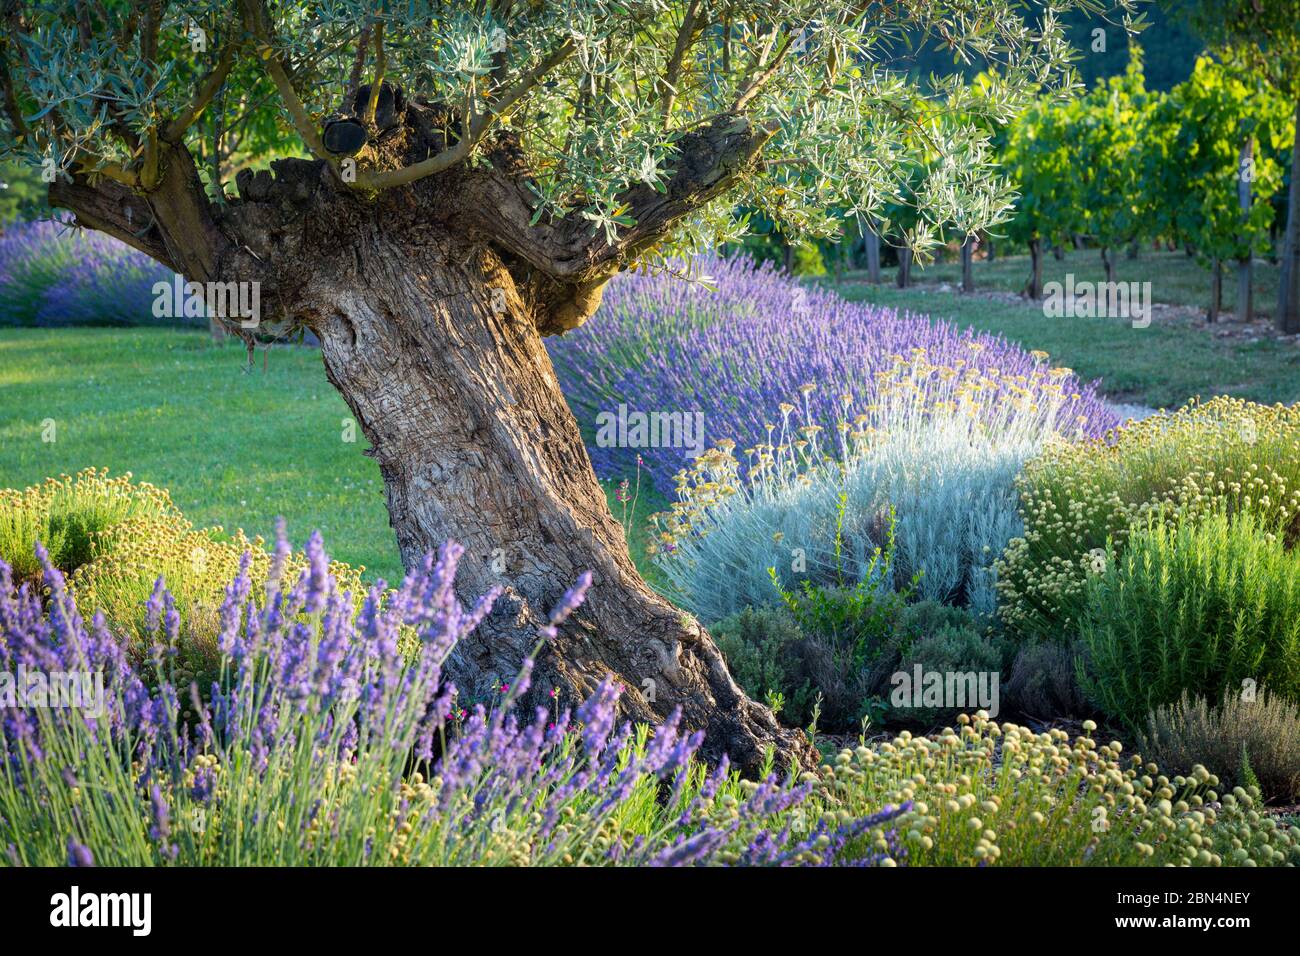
(381, 65)
(205, 94)
(673, 73)
(150, 172)
(255, 23)
(85, 33)
(152, 24)
(710, 159)
(114, 209)
(473, 134)
(501, 12)
(566, 264)
(129, 26)
(755, 86)
(358, 64)
(12, 109)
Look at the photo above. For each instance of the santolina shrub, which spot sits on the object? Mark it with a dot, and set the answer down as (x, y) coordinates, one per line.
(66, 513)
(131, 558)
(321, 743)
(734, 350)
(113, 539)
(938, 446)
(52, 274)
(983, 793)
(1080, 501)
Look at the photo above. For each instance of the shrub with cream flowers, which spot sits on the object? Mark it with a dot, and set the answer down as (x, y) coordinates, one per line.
(115, 538)
(1081, 501)
(65, 513)
(983, 793)
(130, 558)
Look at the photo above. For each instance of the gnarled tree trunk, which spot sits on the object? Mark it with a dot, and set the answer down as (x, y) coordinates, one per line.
(430, 300)
(446, 373)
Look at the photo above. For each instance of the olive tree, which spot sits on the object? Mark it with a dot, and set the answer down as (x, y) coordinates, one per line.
(462, 179)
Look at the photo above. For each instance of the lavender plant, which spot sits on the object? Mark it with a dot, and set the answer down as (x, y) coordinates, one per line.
(54, 275)
(737, 342)
(322, 743)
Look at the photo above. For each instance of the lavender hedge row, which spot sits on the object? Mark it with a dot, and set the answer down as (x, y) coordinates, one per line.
(330, 740)
(735, 352)
(54, 275)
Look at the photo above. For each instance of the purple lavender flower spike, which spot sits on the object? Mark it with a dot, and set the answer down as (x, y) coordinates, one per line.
(78, 854)
(571, 600)
(307, 684)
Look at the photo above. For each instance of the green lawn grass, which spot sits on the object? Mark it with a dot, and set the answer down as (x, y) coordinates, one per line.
(1162, 366)
(235, 448)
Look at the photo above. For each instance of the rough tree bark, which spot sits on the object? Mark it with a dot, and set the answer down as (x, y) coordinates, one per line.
(431, 301)
(448, 378)
(967, 259)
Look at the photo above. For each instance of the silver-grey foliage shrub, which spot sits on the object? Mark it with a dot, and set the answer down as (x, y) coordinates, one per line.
(925, 448)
